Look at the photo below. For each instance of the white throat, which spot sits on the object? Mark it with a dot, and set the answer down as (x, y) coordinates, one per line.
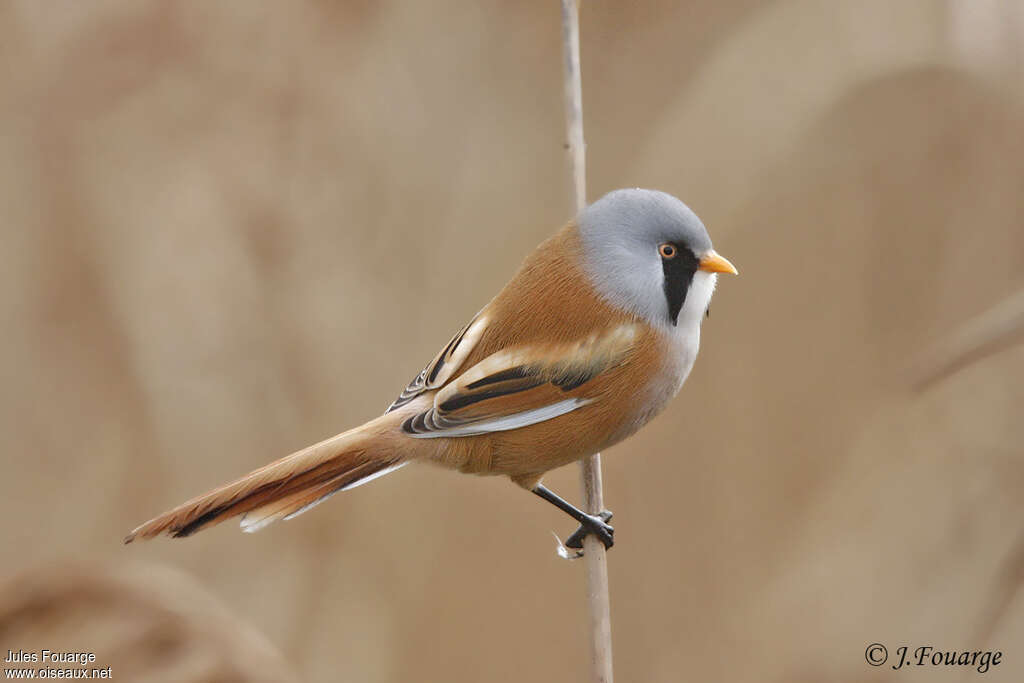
(698, 297)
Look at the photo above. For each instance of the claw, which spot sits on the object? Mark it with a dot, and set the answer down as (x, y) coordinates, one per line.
(597, 525)
(589, 524)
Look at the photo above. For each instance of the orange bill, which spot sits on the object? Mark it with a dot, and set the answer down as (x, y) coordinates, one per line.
(713, 263)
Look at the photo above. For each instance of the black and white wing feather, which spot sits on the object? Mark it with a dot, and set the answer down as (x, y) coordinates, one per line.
(522, 386)
(445, 364)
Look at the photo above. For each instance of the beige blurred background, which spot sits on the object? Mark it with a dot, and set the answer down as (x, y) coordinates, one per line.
(232, 229)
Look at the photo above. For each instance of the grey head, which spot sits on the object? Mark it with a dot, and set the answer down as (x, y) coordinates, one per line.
(647, 253)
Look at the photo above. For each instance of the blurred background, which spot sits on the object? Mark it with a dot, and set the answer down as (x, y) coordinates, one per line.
(232, 230)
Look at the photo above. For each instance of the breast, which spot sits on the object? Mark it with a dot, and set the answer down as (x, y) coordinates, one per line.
(634, 394)
(673, 352)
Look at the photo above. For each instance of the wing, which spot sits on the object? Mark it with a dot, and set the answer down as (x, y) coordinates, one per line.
(519, 387)
(444, 365)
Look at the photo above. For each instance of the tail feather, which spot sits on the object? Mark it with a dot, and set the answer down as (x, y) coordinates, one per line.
(283, 488)
(294, 505)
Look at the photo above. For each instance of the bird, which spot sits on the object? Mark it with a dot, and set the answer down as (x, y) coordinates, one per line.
(587, 342)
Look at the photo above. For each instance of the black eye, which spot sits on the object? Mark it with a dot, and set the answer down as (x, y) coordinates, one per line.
(667, 250)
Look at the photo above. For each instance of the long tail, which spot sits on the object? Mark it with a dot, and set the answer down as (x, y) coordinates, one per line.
(287, 487)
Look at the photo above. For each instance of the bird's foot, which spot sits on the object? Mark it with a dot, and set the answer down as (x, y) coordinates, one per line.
(593, 524)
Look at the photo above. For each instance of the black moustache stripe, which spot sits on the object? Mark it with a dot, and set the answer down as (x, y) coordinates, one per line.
(679, 273)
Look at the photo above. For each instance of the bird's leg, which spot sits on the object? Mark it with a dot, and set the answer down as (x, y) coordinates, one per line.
(589, 524)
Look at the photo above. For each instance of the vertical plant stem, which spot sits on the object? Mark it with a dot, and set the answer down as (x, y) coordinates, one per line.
(573, 83)
(594, 555)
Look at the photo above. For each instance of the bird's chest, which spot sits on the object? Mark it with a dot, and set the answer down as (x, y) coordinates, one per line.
(679, 353)
(670, 356)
